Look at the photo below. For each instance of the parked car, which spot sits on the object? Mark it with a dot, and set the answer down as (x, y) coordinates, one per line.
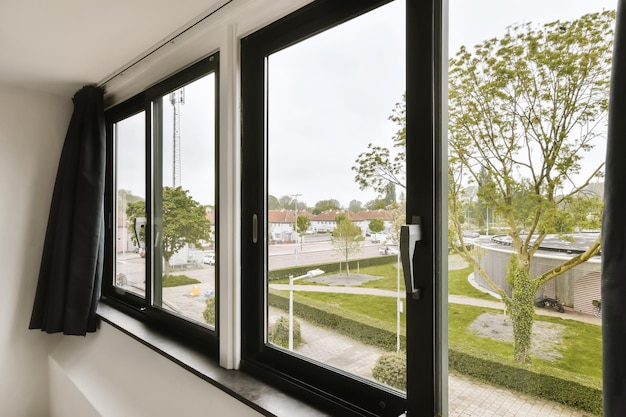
(209, 259)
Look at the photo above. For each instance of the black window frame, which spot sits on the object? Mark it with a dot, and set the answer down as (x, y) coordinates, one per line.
(426, 176)
(191, 334)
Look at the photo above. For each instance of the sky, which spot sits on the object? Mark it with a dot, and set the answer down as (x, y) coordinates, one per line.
(330, 96)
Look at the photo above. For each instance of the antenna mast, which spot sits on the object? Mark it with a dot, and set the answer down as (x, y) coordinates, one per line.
(176, 98)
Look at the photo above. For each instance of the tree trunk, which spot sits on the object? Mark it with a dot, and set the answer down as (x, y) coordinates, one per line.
(522, 312)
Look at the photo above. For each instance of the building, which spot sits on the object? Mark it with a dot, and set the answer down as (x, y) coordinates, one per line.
(576, 289)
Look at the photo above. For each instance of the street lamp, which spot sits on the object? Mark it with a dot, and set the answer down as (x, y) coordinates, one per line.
(295, 216)
(310, 274)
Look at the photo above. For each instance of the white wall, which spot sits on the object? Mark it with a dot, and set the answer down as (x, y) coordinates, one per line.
(32, 130)
(108, 373)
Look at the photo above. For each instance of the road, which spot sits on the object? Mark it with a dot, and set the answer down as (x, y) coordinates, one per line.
(283, 256)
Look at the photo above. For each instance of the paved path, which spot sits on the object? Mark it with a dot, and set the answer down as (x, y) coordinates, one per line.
(466, 397)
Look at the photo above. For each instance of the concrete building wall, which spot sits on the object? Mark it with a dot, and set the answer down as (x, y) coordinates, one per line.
(576, 288)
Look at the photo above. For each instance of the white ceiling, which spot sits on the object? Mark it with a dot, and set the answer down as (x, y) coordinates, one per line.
(57, 46)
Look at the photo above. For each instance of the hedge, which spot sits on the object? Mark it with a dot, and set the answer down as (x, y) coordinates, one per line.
(575, 391)
(331, 268)
(357, 326)
(583, 393)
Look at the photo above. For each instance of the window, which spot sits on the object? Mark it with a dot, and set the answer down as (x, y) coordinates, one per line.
(162, 203)
(318, 90)
(541, 158)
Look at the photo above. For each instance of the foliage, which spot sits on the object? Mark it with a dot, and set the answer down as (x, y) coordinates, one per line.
(279, 333)
(326, 205)
(358, 326)
(133, 210)
(346, 238)
(378, 167)
(184, 221)
(377, 225)
(571, 390)
(390, 369)
(524, 110)
(209, 311)
(469, 354)
(170, 280)
(287, 202)
(303, 223)
(355, 206)
(376, 204)
(273, 203)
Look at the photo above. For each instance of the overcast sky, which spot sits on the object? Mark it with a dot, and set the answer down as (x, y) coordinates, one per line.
(331, 95)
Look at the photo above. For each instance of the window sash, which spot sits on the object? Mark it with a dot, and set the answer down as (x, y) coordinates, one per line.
(425, 163)
(147, 307)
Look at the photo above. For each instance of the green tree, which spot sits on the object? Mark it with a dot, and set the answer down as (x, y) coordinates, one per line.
(134, 210)
(355, 206)
(287, 202)
(377, 225)
(325, 205)
(523, 111)
(376, 204)
(273, 203)
(378, 166)
(303, 223)
(184, 222)
(390, 193)
(347, 238)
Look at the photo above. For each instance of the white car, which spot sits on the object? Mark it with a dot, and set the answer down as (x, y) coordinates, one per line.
(387, 250)
(209, 259)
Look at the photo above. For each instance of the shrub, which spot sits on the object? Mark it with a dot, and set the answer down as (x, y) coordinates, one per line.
(176, 280)
(390, 369)
(583, 393)
(209, 311)
(279, 333)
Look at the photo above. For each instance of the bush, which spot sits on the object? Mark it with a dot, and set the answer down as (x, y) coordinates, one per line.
(390, 369)
(176, 280)
(574, 391)
(209, 311)
(583, 393)
(357, 326)
(279, 333)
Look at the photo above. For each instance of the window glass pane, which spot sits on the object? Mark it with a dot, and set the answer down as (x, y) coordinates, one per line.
(331, 99)
(528, 90)
(184, 201)
(130, 150)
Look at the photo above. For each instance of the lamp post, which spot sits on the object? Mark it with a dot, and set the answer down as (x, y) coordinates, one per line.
(310, 274)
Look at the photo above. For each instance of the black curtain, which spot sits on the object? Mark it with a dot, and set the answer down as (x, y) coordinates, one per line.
(71, 265)
(614, 234)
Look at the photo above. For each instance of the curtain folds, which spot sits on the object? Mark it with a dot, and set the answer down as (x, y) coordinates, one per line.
(71, 265)
(614, 234)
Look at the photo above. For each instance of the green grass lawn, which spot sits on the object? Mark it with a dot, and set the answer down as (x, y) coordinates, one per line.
(580, 345)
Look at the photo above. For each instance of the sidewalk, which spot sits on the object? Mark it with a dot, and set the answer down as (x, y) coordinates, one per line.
(466, 397)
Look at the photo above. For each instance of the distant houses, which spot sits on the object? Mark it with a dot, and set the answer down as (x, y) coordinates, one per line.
(281, 223)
